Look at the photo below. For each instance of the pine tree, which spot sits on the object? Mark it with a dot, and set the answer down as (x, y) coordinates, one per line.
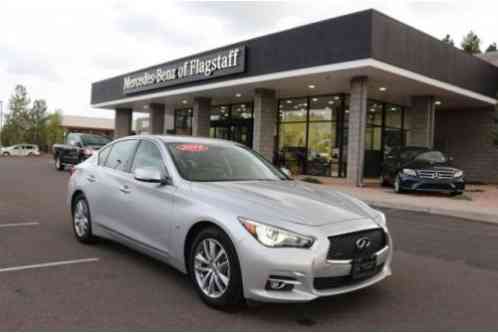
(491, 48)
(448, 40)
(471, 43)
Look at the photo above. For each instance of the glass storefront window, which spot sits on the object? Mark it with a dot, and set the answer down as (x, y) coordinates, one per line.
(393, 116)
(374, 113)
(183, 121)
(242, 111)
(219, 112)
(324, 108)
(293, 109)
(292, 146)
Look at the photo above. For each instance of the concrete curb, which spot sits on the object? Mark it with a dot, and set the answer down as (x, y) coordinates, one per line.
(472, 216)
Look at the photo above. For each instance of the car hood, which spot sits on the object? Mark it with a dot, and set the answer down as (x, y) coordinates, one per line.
(418, 164)
(293, 201)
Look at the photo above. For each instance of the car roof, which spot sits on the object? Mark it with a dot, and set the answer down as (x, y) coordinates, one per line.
(183, 139)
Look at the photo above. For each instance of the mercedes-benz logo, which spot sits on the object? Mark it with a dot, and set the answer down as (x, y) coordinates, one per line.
(362, 243)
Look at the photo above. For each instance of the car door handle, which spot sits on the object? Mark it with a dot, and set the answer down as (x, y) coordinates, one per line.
(91, 179)
(125, 189)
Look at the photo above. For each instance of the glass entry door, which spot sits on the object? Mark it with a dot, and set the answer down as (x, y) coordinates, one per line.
(232, 122)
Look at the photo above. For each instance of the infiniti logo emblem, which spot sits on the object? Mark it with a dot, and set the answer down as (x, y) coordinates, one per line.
(362, 243)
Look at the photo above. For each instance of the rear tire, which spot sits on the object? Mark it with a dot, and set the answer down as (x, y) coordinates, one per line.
(58, 163)
(82, 220)
(213, 259)
(383, 181)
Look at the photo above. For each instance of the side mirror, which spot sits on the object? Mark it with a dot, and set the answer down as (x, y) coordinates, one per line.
(151, 175)
(286, 172)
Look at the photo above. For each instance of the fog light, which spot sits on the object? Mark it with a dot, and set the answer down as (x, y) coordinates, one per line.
(280, 285)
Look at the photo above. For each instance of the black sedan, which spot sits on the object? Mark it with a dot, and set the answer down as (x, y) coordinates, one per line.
(421, 169)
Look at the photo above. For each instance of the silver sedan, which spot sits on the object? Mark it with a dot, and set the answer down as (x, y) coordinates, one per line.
(219, 212)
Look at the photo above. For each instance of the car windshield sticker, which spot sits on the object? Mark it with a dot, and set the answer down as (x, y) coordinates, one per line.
(192, 148)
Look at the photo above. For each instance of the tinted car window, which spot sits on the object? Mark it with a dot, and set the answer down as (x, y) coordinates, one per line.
(432, 157)
(72, 138)
(121, 155)
(147, 156)
(103, 154)
(94, 140)
(213, 162)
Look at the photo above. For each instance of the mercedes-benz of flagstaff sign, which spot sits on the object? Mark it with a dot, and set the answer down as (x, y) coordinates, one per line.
(216, 64)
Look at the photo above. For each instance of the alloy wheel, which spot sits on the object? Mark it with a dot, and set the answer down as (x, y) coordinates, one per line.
(81, 219)
(212, 268)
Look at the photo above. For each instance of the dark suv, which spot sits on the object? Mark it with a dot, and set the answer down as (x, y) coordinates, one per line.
(421, 169)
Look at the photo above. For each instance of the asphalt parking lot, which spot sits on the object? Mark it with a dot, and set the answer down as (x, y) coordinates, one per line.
(445, 275)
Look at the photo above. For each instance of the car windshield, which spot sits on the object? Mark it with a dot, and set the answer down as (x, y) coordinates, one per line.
(94, 140)
(209, 162)
(431, 157)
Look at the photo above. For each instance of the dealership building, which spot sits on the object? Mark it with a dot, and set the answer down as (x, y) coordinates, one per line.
(328, 99)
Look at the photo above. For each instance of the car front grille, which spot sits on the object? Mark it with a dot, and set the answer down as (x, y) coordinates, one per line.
(436, 174)
(344, 247)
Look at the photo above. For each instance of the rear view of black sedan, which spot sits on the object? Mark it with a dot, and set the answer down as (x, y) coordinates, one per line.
(421, 169)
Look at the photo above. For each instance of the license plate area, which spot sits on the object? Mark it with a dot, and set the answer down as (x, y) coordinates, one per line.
(363, 268)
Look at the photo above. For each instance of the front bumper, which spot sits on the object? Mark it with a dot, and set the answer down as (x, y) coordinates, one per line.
(306, 269)
(410, 183)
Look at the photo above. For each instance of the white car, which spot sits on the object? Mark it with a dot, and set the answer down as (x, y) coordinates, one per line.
(224, 215)
(20, 150)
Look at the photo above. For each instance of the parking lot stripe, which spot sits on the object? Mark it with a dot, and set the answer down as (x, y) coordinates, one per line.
(10, 225)
(48, 264)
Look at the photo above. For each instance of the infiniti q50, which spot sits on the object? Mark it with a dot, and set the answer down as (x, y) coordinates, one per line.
(219, 212)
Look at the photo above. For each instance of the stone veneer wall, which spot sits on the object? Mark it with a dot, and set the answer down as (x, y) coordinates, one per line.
(467, 136)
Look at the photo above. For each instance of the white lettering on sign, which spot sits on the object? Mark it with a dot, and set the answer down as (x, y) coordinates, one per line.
(191, 69)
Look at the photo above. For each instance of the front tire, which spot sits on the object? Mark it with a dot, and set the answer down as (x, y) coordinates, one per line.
(82, 221)
(214, 269)
(6, 154)
(397, 184)
(58, 163)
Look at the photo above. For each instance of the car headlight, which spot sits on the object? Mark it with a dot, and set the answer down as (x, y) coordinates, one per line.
(275, 237)
(380, 218)
(410, 172)
(458, 174)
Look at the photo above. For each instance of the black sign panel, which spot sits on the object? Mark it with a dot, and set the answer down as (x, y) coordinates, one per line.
(225, 62)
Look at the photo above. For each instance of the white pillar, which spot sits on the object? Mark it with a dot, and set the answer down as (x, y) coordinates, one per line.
(421, 116)
(122, 122)
(200, 117)
(357, 128)
(156, 118)
(265, 122)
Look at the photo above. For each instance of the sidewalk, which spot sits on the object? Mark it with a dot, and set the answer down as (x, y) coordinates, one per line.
(478, 203)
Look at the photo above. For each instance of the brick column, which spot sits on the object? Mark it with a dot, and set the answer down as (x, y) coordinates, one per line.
(265, 122)
(357, 127)
(156, 118)
(122, 122)
(169, 119)
(200, 117)
(421, 117)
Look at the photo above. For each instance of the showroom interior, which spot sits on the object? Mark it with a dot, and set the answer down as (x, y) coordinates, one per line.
(326, 99)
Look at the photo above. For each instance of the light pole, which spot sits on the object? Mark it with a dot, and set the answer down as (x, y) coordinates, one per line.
(1, 121)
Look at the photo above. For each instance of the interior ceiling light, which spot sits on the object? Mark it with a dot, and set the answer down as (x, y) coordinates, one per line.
(438, 103)
(184, 101)
(382, 89)
(238, 94)
(315, 99)
(311, 86)
(289, 101)
(336, 98)
(331, 102)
